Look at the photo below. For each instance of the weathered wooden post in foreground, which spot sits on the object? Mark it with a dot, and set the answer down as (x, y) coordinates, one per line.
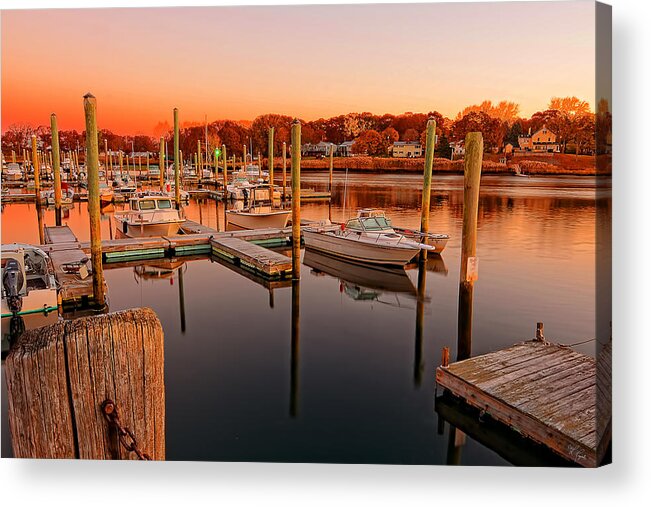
(92, 171)
(56, 168)
(284, 171)
(161, 165)
(468, 273)
(271, 165)
(177, 180)
(296, 200)
(61, 379)
(427, 181)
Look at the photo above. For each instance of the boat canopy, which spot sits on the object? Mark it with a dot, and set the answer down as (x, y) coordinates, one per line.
(369, 223)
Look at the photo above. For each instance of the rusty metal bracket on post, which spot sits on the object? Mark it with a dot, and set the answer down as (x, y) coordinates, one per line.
(127, 439)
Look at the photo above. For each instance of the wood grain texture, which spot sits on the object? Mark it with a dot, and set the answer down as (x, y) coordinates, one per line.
(546, 392)
(58, 376)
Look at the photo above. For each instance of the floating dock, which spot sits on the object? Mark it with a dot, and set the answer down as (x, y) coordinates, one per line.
(252, 257)
(546, 392)
(64, 250)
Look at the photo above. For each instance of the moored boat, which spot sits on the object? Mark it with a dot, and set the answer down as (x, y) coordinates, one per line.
(67, 196)
(258, 217)
(368, 238)
(150, 214)
(28, 283)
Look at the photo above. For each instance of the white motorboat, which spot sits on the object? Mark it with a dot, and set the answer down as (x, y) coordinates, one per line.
(170, 189)
(28, 283)
(369, 238)
(13, 172)
(150, 214)
(255, 175)
(240, 188)
(67, 196)
(124, 184)
(258, 217)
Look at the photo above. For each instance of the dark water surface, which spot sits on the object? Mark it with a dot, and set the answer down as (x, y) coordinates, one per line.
(355, 381)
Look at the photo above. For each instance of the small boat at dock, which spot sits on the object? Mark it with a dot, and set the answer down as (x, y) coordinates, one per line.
(258, 217)
(28, 283)
(150, 214)
(67, 196)
(370, 238)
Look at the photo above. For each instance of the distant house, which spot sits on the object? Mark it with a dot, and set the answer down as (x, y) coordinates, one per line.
(402, 149)
(321, 149)
(543, 140)
(344, 149)
(458, 149)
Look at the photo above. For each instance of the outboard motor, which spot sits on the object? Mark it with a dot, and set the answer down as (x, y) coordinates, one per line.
(12, 281)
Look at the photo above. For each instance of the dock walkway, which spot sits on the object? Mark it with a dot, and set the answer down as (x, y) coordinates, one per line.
(64, 250)
(253, 257)
(548, 393)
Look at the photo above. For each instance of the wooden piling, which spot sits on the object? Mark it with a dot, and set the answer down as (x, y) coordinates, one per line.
(427, 181)
(13, 156)
(120, 162)
(271, 165)
(419, 365)
(474, 145)
(540, 335)
(244, 158)
(216, 162)
(225, 175)
(106, 157)
(296, 200)
(332, 152)
(56, 168)
(284, 171)
(177, 180)
(59, 376)
(37, 191)
(92, 171)
(161, 164)
(199, 164)
(259, 164)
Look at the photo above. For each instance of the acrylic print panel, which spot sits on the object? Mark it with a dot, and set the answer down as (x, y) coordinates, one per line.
(380, 239)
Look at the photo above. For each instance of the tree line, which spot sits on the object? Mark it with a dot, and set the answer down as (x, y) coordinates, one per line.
(568, 117)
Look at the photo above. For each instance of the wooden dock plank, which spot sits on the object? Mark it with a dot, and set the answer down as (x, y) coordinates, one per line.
(546, 392)
(253, 256)
(59, 234)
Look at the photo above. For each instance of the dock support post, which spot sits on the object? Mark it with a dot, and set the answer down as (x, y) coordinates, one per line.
(92, 169)
(37, 190)
(427, 182)
(199, 165)
(244, 157)
(56, 168)
(271, 165)
(540, 336)
(216, 161)
(296, 200)
(472, 175)
(284, 171)
(161, 165)
(225, 173)
(106, 158)
(120, 162)
(177, 180)
(332, 153)
(13, 156)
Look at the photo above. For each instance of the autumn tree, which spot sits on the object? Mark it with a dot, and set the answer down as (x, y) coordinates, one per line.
(505, 111)
(571, 106)
(260, 131)
(492, 129)
(370, 142)
(410, 135)
(17, 137)
(390, 134)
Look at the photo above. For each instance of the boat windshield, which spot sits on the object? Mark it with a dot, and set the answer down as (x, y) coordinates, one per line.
(147, 204)
(375, 223)
(164, 204)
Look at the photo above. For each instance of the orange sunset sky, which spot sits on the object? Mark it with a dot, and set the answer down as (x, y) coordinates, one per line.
(304, 61)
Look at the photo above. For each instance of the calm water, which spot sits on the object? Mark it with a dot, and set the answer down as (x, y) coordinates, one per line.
(356, 382)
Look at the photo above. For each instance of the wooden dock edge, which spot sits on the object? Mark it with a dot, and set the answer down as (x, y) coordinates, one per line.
(519, 421)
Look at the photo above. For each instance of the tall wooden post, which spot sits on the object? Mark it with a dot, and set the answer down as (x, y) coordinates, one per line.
(37, 190)
(177, 180)
(106, 157)
(427, 181)
(284, 171)
(56, 168)
(147, 162)
(181, 165)
(161, 165)
(332, 152)
(13, 156)
(216, 161)
(296, 200)
(271, 165)
(225, 173)
(244, 157)
(259, 164)
(120, 162)
(199, 166)
(92, 168)
(468, 273)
